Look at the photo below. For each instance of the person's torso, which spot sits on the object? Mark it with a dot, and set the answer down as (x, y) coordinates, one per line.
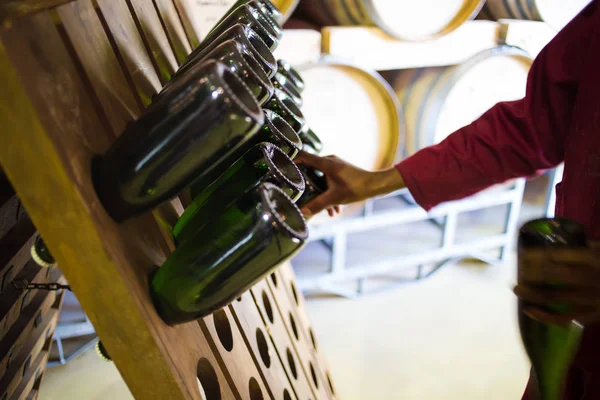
(578, 195)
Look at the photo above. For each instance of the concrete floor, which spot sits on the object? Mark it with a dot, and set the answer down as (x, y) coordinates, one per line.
(453, 336)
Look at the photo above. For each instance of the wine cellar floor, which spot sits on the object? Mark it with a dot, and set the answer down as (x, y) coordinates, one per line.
(452, 336)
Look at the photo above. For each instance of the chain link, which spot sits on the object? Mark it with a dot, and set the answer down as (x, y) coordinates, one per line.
(23, 284)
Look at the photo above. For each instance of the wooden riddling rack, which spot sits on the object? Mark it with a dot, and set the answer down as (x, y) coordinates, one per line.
(370, 48)
(27, 318)
(75, 73)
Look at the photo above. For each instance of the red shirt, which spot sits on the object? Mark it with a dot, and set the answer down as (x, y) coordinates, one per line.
(557, 120)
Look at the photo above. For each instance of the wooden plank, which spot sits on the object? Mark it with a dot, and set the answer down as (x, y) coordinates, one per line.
(281, 341)
(49, 166)
(300, 340)
(32, 376)
(148, 22)
(12, 9)
(93, 48)
(14, 240)
(18, 335)
(299, 46)
(186, 21)
(124, 33)
(371, 48)
(174, 28)
(202, 15)
(249, 321)
(9, 214)
(286, 275)
(14, 301)
(36, 342)
(531, 36)
(226, 341)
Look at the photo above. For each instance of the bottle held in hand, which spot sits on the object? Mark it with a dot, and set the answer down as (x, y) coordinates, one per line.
(182, 136)
(315, 184)
(272, 131)
(263, 163)
(550, 348)
(240, 246)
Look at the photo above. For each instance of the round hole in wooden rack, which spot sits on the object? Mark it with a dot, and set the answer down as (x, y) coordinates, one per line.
(292, 364)
(208, 382)
(330, 384)
(313, 374)
(268, 308)
(255, 391)
(6, 279)
(312, 338)
(294, 293)
(286, 395)
(223, 329)
(239, 299)
(294, 327)
(263, 347)
(274, 279)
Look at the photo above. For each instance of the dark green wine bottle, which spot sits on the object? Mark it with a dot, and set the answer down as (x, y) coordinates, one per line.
(252, 17)
(311, 142)
(287, 109)
(274, 130)
(242, 63)
(550, 348)
(268, 8)
(315, 184)
(242, 34)
(41, 254)
(206, 117)
(264, 162)
(219, 262)
(286, 69)
(283, 83)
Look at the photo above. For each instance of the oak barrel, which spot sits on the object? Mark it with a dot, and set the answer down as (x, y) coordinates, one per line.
(438, 101)
(403, 19)
(556, 13)
(355, 113)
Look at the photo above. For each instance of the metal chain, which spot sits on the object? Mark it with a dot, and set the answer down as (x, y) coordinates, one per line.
(23, 284)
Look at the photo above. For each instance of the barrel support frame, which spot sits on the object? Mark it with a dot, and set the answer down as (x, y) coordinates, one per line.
(443, 216)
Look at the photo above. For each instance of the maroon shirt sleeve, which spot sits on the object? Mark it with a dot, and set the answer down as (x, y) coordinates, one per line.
(511, 139)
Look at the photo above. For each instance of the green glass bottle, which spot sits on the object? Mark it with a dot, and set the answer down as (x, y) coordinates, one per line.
(241, 62)
(264, 162)
(245, 36)
(268, 8)
(251, 16)
(41, 254)
(205, 118)
(219, 262)
(283, 83)
(311, 142)
(315, 184)
(287, 109)
(550, 348)
(286, 69)
(274, 130)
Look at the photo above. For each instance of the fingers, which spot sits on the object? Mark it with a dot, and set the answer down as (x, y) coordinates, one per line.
(552, 319)
(319, 203)
(311, 160)
(547, 297)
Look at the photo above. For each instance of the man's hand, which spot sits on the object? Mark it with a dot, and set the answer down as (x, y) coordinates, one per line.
(346, 183)
(561, 276)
